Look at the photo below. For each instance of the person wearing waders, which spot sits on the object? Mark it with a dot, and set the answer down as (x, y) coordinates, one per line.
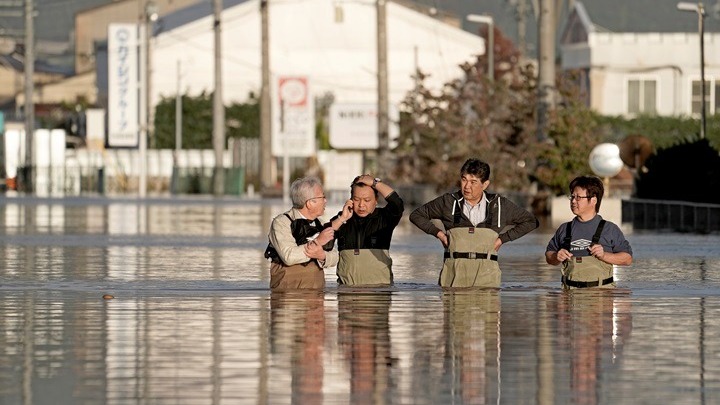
(364, 239)
(476, 224)
(300, 246)
(588, 246)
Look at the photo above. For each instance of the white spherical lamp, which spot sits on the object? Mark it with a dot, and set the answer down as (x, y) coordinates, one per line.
(605, 160)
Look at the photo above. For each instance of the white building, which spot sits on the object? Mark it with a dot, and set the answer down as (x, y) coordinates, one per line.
(636, 59)
(332, 43)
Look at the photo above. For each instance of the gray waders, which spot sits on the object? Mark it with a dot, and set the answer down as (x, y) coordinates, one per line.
(587, 271)
(365, 267)
(298, 276)
(471, 259)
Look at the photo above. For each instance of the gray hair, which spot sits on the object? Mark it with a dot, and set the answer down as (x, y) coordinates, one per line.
(301, 190)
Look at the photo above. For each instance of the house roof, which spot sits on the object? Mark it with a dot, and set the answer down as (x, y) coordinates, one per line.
(54, 29)
(641, 16)
(55, 19)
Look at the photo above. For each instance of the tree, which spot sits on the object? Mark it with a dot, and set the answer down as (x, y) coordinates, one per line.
(471, 116)
(241, 121)
(496, 122)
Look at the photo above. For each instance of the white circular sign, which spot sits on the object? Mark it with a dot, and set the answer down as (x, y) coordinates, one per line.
(605, 160)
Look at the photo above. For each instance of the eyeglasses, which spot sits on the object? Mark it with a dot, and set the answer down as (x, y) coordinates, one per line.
(578, 197)
(315, 198)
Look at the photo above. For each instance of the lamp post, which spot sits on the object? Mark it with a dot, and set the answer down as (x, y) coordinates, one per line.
(486, 19)
(150, 15)
(700, 10)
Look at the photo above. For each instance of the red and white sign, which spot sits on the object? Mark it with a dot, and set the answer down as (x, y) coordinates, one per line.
(293, 118)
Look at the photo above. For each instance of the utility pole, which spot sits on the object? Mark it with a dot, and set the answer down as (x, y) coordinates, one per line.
(266, 175)
(521, 15)
(699, 8)
(546, 59)
(382, 89)
(218, 106)
(29, 90)
(178, 112)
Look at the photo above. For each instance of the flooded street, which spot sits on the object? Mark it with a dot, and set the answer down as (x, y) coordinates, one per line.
(192, 321)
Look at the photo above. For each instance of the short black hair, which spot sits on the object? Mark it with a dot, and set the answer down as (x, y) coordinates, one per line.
(592, 185)
(477, 168)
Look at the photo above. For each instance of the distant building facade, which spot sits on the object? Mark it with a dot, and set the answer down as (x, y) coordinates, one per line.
(631, 60)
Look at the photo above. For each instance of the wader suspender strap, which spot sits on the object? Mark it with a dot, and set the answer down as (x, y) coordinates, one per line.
(598, 231)
(568, 234)
(457, 212)
(595, 240)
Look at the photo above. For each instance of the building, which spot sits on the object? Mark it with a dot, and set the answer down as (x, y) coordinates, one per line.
(641, 57)
(331, 43)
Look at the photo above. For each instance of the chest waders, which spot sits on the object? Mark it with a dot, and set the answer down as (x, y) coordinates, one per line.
(588, 271)
(471, 259)
(308, 275)
(367, 267)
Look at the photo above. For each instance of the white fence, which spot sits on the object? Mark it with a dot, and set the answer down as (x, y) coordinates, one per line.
(61, 171)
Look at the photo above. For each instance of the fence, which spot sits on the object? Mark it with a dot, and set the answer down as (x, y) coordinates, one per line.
(117, 171)
(676, 216)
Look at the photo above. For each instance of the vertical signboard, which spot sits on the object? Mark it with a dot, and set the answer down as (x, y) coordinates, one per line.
(122, 85)
(293, 118)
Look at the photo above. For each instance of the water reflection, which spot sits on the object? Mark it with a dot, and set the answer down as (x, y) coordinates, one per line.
(194, 322)
(297, 338)
(472, 346)
(593, 327)
(364, 338)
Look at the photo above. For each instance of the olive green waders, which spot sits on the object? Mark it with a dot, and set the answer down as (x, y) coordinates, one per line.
(471, 259)
(366, 267)
(298, 276)
(588, 271)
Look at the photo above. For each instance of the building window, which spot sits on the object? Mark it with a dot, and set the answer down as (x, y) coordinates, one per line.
(697, 101)
(642, 96)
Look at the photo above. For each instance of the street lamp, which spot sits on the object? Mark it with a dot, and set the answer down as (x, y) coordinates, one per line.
(486, 19)
(700, 10)
(150, 15)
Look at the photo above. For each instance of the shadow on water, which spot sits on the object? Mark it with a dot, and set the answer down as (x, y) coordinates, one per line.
(188, 318)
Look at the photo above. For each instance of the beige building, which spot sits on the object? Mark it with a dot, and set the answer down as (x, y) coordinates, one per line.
(91, 25)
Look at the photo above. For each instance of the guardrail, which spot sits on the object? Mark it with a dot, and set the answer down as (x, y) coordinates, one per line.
(678, 216)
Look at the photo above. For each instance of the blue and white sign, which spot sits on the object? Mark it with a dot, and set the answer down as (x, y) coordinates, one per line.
(122, 85)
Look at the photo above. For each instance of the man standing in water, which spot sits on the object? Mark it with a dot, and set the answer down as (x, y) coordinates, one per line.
(299, 247)
(588, 246)
(364, 239)
(476, 225)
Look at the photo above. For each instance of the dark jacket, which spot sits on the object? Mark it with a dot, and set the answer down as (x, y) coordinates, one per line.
(504, 216)
(373, 231)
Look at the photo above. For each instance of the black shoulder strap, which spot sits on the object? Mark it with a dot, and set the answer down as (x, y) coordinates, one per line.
(598, 231)
(568, 236)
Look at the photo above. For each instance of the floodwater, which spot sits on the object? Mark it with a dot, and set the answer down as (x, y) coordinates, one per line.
(192, 320)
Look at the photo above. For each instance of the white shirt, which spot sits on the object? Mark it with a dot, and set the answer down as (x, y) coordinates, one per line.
(478, 212)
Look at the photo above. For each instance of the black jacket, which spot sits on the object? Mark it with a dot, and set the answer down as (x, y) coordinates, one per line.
(373, 231)
(504, 216)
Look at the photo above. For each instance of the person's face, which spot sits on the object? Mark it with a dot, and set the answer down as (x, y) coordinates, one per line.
(316, 204)
(580, 204)
(472, 188)
(364, 201)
